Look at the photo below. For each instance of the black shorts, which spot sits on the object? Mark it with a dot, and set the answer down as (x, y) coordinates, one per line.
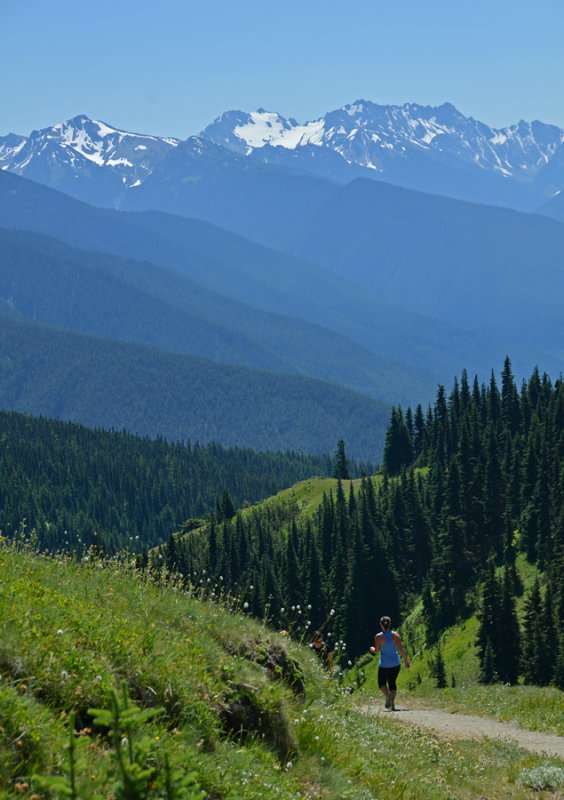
(387, 676)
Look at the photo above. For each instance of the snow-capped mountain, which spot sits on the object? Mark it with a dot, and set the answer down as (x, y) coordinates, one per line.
(86, 149)
(432, 149)
(372, 136)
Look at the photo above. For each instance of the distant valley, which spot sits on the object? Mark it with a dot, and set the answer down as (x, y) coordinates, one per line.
(269, 245)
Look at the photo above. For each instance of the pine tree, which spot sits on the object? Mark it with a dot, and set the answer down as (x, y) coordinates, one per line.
(340, 464)
(487, 673)
(294, 587)
(510, 411)
(533, 640)
(549, 637)
(398, 447)
(227, 507)
(171, 556)
(489, 633)
(508, 650)
(429, 614)
(438, 670)
(418, 432)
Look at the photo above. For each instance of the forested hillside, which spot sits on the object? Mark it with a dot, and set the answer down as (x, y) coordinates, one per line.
(465, 486)
(105, 295)
(214, 274)
(150, 392)
(75, 486)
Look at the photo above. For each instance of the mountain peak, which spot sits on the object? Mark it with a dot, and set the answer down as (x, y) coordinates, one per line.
(430, 148)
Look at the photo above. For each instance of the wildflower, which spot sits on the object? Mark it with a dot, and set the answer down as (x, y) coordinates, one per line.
(124, 741)
(64, 675)
(332, 612)
(245, 605)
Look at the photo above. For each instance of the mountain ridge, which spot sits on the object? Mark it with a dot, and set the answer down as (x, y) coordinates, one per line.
(410, 145)
(256, 293)
(46, 371)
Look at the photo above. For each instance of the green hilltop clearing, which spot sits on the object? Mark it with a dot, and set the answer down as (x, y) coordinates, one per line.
(115, 684)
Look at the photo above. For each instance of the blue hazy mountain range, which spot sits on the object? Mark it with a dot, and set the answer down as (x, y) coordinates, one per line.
(270, 245)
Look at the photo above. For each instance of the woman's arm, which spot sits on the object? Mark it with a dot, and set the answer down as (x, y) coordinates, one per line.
(396, 638)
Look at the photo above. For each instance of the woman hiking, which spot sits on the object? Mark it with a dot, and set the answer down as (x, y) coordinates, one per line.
(388, 644)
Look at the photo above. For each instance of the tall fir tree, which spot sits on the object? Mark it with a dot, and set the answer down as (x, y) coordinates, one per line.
(340, 463)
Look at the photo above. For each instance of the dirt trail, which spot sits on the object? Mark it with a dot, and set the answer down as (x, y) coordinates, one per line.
(464, 726)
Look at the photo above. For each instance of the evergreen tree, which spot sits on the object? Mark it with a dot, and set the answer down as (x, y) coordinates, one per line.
(510, 411)
(533, 640)
(398, 448)
(508, 651)
(340, 464)
(438, 671)
(488, 674)
(171, 555)
(418, 431)
(227, 507)
(550, 639)
(429, 615)
(489, 631)
(294, 587)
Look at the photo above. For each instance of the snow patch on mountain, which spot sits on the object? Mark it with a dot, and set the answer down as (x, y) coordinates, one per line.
(372, 136)
(429, 148)
(263, 127)
(80, 144)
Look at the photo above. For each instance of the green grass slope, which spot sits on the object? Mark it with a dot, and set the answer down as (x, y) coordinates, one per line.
(116, 685)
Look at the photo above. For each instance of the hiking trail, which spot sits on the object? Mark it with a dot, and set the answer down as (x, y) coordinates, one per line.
(464, 726)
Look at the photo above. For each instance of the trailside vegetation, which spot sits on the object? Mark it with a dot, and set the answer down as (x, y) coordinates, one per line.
(113, 684)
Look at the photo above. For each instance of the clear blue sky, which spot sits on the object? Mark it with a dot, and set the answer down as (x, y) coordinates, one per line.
(169, 68)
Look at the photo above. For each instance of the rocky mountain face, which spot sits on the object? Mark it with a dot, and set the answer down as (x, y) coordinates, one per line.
(416, 146)
(433, 149)
(373, 136)
(85, 158)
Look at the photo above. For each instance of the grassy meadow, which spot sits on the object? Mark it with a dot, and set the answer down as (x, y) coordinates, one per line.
(118, 685)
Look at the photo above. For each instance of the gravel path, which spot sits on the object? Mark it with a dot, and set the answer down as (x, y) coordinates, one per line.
(463, 726)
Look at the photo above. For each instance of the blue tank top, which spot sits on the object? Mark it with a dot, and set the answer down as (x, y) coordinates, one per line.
(389, 656)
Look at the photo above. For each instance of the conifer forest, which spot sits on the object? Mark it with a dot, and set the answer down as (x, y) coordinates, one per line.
(466, 487)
